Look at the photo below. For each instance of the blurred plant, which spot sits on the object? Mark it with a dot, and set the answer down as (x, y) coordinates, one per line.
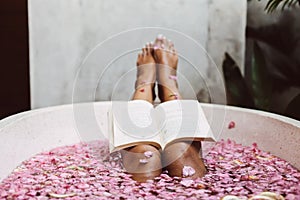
(258, 94)
(273, 4)
(274, 66)
(237, 92)
(260, 78)
(293, 107)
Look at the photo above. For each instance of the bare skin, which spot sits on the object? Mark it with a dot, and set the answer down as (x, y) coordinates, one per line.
(142, 172)
(146, 77)
(166, 59)
(175, 156)
(158, 62)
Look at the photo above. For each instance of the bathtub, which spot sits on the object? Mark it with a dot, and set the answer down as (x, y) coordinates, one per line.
(26, 134)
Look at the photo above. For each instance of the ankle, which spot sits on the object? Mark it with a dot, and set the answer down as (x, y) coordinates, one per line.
(139, 85)
(168, 94)
(144, 92)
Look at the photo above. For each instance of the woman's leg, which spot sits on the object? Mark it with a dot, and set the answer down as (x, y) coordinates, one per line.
(181, 158)
(134, 158)
(146, 75)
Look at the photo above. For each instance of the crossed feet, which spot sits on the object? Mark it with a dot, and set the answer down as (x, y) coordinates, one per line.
(158, 62)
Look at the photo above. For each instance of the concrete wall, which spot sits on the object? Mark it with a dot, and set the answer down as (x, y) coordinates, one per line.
(285, 24)
(78, 53)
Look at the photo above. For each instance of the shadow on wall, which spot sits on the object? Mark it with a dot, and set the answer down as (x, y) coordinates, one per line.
(272, 68)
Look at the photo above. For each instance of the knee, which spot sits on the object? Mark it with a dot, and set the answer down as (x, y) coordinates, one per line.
(139, 150)
(178, 147)
(142, 148)
(182, 148)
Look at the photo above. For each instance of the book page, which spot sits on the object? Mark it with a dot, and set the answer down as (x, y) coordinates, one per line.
(133, 122)
(183, 120)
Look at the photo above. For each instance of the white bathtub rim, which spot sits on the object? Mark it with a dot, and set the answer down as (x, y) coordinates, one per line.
(8, 121)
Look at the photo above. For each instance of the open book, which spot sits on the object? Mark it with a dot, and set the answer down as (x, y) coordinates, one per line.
(136, 122)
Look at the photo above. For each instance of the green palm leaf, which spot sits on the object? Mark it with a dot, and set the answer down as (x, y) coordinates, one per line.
(237, 92)
(260, 78)
(273, 4)
(293, 109)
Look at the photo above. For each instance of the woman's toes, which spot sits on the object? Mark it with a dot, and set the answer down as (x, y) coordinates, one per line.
(151, 49)
(172, 50)
(146, 57)
(144, 51)
(148, 48)
(160, 37)
(159, 41)
(139, 58)
(165, 41)
(171, 45)
(164, 44)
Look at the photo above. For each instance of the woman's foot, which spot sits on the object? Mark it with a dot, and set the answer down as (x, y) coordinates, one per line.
(146, 75)
(166, 59)
(182, 159)
(143, 162)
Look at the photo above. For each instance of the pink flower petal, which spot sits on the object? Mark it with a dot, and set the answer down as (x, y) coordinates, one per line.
(89, 171)
(172, 77)
(148, 154)
(144, 161)
(231, 125)
(188, 171)
(187, 182)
